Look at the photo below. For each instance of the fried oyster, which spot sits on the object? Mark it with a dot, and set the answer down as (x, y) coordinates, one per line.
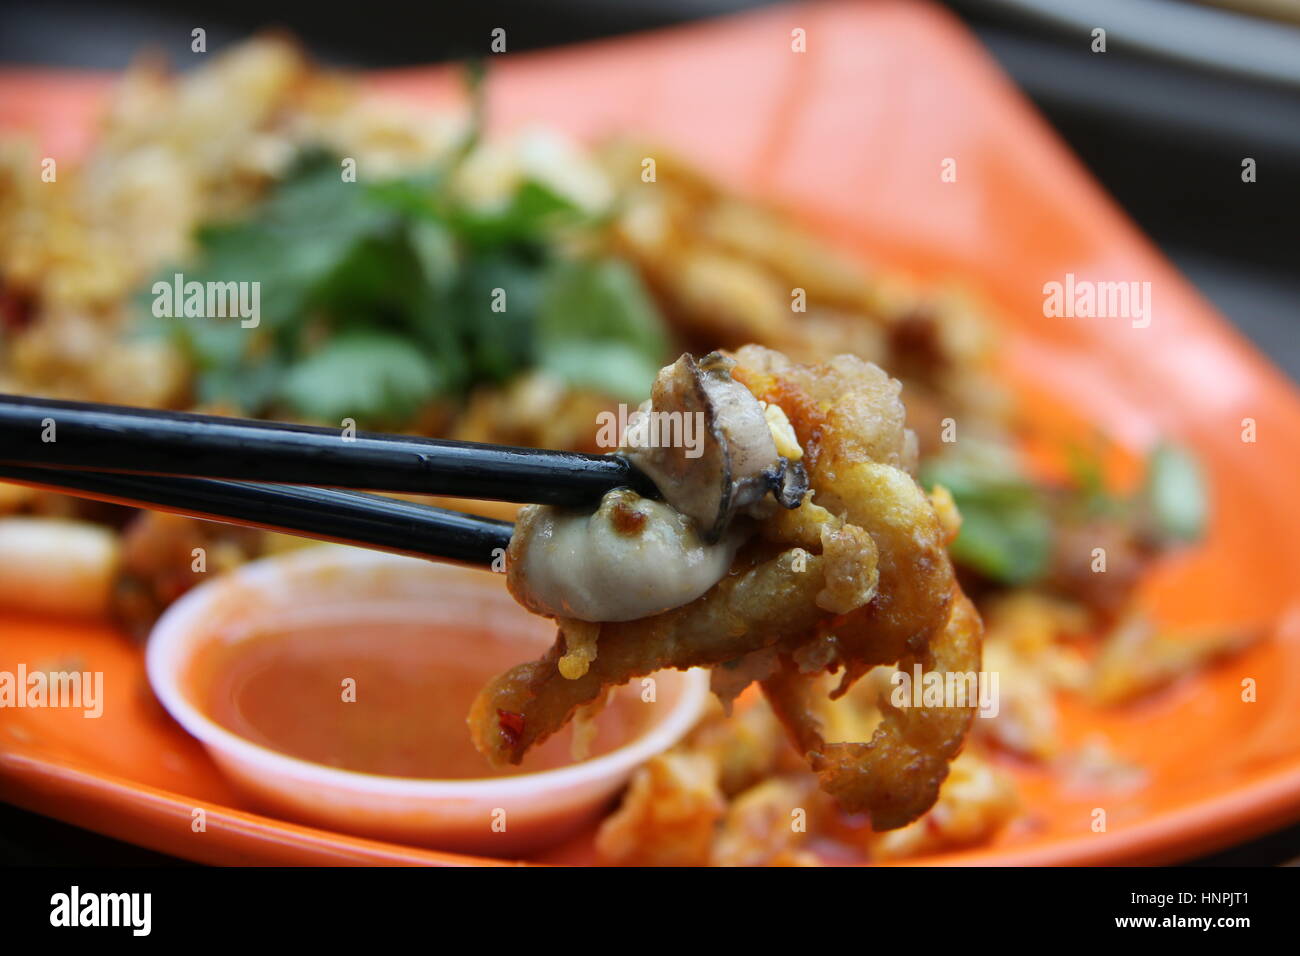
(847, 574)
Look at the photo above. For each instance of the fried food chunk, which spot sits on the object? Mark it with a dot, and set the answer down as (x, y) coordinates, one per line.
(1023, 644)
(856, 577)
(895, 776)
(161, 555)
(859, 456)
(977, 800)
(1138, 658)
(714, 800)
(766, 825)
(743, 612)
(724, 269)
(668, 816)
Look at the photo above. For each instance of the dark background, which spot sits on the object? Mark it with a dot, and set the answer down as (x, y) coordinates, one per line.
(1165, 136)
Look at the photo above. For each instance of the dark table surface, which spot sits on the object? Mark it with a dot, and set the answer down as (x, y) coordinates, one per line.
(1166, 138)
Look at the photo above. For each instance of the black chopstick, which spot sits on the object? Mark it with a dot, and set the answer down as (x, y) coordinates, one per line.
(114, 438)
(346, 517)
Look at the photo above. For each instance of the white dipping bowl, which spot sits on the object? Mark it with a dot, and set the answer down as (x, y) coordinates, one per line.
(321, 583)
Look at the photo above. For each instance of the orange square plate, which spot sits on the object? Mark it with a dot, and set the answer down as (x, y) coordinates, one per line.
(848, 136)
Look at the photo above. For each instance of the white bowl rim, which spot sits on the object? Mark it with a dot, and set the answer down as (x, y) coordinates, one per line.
(169, 649)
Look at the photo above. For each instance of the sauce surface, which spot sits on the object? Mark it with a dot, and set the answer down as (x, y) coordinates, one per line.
(414, 682)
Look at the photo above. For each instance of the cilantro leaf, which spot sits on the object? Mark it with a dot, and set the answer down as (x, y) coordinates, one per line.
(597, 328)
(301, 234)
(367, 376)
(532, 211)
(414, 294)
(1174, 495)
(1006, 531)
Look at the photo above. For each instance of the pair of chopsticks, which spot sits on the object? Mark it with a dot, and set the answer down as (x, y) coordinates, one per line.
(286, 477)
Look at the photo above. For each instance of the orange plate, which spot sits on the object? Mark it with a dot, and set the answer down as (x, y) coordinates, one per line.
(849, 136)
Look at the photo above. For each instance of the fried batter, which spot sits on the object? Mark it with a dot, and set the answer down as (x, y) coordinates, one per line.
(859, 455)
(1138, 658)
(668, 816)
(856, 577)
(977, 800)
(895, 776)
(745, 611)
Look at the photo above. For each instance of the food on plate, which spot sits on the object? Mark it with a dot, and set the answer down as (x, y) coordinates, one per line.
(415, 275)
(853, 577)
(57, 566)
(737, 792)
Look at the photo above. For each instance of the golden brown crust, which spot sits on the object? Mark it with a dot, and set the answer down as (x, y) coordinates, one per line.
(895, 776)
(849, 419)
(857, 577)
(743, 612)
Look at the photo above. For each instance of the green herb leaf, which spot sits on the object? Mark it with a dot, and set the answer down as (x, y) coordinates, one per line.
(531, 212)
(1174, 494)
(1006, 532)
(404, 285)
(1008, 544)
(496, 301)
(598, 329)
(1089, 495)
(293, 241)
(366, 376)
(474, 78)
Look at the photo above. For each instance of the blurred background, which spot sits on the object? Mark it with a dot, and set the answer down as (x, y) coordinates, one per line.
(1183, 93)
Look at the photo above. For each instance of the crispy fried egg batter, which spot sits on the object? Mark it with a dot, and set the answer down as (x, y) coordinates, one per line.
(854, 578)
